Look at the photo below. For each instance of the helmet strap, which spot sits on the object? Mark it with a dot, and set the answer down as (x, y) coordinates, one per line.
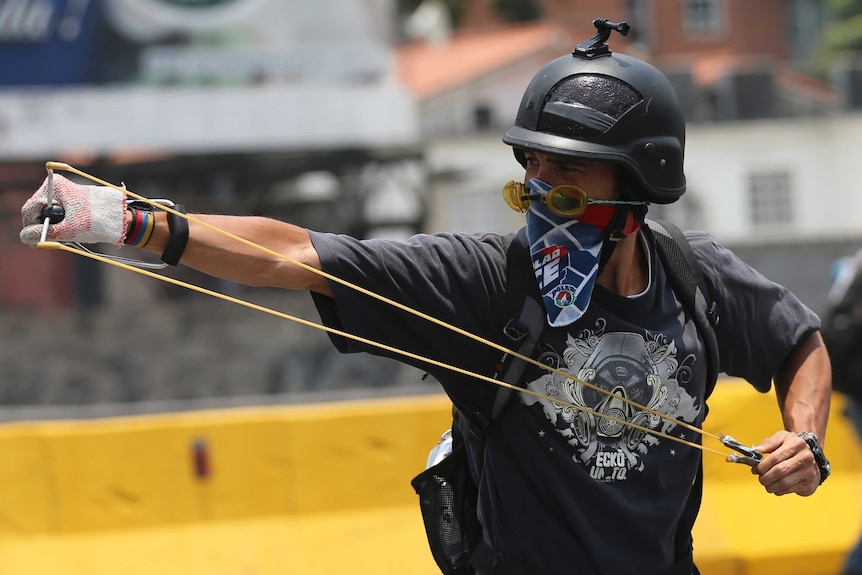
(613, 235)
(620, 224)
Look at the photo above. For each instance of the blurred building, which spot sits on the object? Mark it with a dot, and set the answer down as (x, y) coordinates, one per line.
(344, 115)
(737, 67)
(284, 108)
(272, 107)
(770, 142)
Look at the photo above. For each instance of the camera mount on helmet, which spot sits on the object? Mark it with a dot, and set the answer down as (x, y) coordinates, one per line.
(595, 46)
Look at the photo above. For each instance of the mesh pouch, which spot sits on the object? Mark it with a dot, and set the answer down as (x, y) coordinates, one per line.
(447, 499)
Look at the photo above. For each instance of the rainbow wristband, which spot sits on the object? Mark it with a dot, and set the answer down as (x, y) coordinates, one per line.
(141, 228)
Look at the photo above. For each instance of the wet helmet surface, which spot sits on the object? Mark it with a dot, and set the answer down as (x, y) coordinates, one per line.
(614, 108)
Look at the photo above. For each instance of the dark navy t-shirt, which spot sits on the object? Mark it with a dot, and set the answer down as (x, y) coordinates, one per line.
(568, 490)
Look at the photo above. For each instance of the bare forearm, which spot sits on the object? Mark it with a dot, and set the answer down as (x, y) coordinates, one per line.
(803, 386)
(216, 254)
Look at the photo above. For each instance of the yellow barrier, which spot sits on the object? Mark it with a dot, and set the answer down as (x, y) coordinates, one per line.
(122, 473)
(324, 489)
(742, 530)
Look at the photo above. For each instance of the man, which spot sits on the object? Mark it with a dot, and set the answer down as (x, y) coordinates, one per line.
(570, 483)
(842, 334)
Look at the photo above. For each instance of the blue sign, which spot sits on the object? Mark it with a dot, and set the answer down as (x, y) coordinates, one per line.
(50, 42)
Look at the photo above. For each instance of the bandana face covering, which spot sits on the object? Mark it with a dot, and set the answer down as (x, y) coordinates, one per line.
(565, 253)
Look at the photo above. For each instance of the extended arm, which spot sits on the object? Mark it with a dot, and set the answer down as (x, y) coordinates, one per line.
(98, 214)
(218, 255)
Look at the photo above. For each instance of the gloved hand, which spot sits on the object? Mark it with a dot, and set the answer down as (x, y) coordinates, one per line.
(94, 214)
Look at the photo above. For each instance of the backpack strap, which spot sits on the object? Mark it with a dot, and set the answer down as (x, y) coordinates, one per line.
(684, 274)
(525, 313)
(523, 323)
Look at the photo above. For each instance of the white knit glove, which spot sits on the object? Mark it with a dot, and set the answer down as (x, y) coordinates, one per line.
(94, 214)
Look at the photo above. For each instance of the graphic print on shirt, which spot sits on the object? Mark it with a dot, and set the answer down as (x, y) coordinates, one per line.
(644, 370)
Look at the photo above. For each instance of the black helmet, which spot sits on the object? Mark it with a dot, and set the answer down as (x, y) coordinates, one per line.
(603, 106)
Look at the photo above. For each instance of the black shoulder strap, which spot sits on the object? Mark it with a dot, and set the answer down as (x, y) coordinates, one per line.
(523, 313)
(684, 273)
(685, 276)
(523, 323)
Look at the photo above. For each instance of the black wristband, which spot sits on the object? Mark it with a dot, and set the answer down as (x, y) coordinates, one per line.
(179, 228)
(133, 227)
(819, 457)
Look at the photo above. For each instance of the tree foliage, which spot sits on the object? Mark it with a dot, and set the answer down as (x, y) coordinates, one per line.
(842, 36)
(840, 9)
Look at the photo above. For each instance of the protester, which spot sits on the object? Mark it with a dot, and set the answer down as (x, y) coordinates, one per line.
(842, 334)
(563, 490)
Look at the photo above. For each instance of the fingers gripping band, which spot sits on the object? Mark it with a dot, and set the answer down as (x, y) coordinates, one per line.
(179, 228)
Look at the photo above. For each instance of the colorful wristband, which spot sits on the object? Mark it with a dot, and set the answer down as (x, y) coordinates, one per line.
(141, 228)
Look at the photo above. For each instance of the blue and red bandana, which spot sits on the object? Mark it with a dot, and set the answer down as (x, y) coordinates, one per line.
(565, 255)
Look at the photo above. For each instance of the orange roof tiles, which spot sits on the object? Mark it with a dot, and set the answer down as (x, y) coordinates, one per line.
(807, 86)
(428, 69)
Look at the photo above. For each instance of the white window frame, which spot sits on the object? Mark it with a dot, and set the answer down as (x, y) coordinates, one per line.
(703, 16)
(770, 199)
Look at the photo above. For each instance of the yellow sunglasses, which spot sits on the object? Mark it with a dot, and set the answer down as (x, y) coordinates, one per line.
(565, 201)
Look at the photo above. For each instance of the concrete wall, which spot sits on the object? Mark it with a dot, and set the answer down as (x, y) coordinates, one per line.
(325, 489)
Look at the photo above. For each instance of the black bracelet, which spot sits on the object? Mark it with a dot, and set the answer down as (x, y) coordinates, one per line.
(133, 227)
(179, 228)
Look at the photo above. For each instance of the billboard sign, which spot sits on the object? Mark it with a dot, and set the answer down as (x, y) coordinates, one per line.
(47, 41)
(63, 42)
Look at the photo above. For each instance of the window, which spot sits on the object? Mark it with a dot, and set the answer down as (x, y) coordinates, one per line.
(703, 15)
(482, 117)
(638, 16)
(770, 199)
(806, 19)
